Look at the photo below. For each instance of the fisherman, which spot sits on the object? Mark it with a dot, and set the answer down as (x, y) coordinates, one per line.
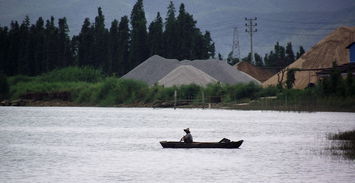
(188, 137)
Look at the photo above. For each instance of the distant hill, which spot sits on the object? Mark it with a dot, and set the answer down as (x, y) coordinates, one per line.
(303, 22)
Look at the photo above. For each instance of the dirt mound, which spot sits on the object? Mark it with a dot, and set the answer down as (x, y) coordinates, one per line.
(156, 68)
(322, 55)
(254, 71)
(221, 71)
(152, 70)
(186, 74)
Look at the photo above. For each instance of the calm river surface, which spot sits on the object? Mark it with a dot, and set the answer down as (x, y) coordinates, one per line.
(77, 144)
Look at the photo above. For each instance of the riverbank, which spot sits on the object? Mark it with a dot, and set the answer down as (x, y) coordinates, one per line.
(253, 105)
(89, 87)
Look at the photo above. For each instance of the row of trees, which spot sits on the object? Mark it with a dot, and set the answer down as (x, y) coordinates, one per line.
(278, 58)
(282, 56)
(33, 49)
(44, 46)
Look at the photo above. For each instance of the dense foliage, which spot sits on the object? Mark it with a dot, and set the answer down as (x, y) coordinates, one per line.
(4, 87)
(276, 59)
(90, 87)
(281, 56)
(32, 49)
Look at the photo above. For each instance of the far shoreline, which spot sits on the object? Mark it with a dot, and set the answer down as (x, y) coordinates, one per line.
(224, 106)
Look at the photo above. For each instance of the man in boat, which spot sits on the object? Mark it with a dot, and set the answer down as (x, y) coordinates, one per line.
(188, 137)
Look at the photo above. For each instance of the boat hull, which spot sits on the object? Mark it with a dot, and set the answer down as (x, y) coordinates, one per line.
(229, 145)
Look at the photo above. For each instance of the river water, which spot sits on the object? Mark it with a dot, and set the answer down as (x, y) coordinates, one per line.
(77, 144)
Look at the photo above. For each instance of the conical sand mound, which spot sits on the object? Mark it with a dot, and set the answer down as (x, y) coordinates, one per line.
(152, 70)
(156, 68)
(322, 55)
(186, 74)
(222, 71)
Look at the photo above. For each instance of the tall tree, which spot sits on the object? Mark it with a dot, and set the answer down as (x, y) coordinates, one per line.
(113, 47)
(300, 52)
(277, 57)
(100, 57)
(186, 34)
(211, 50)
(139, 50)
(170, 33)
(38, 41)
(14, 49)
(155, 36)
(23, 66)
(64, 49)
(85, 42)
(123, 46)
(4, 49)
(290, 56)
(258, 59)
(51, 57)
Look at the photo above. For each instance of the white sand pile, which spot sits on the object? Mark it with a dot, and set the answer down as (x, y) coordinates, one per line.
(156, 68)
(152, 70)
(222, 71)
(186, 74)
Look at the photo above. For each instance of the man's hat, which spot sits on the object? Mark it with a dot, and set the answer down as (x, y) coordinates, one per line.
(187, 130)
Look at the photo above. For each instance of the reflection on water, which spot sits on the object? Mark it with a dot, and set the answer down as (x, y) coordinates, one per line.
(122, 145)
(343, 144)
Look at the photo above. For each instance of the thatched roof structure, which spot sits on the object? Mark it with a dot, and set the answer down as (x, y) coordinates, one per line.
(258, 73)
(322, 55)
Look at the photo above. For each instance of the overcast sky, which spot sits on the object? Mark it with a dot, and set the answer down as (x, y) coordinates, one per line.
(304, 22)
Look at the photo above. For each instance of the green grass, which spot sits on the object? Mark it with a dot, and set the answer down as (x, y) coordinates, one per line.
(90, 87)
(72, 74)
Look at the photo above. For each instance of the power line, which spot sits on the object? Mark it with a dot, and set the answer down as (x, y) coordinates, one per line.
(251, 30)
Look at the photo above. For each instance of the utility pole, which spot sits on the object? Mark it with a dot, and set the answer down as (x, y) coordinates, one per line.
(235, 46)
(250, 29)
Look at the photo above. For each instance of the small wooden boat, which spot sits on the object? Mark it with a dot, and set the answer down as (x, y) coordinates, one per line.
(174, 144)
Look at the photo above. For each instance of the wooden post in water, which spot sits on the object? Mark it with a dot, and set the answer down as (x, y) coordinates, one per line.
(203, 99)
(175, 96)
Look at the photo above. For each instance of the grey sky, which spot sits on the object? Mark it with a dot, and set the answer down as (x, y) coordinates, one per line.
(303, 22)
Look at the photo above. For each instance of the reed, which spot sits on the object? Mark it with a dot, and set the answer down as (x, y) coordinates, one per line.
(344, 144)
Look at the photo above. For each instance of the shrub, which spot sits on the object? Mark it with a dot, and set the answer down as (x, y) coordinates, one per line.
(190, 91)
(4, 87)
(268, 91)
(120, 91)
(72, 74)
(13, 80)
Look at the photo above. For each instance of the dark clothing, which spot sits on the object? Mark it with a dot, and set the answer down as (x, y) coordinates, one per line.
(187, 138)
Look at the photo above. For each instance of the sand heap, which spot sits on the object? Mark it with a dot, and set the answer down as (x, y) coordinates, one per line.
(152, 70)
(254, 71)
(322, 55)
(186, 74)
(157, 69)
